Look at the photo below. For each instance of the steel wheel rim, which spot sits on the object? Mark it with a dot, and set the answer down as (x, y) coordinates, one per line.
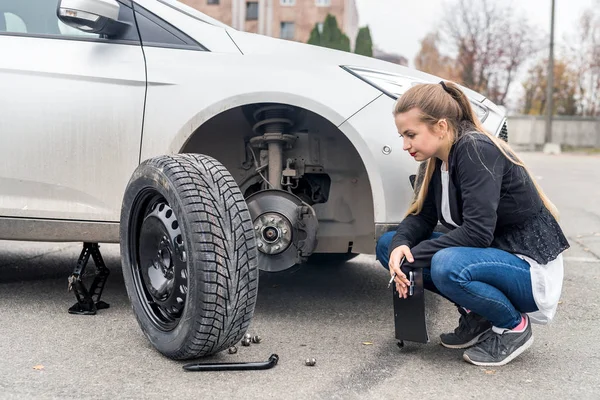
(159, 267)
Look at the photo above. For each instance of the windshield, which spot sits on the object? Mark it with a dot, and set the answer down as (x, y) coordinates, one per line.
(192, 12)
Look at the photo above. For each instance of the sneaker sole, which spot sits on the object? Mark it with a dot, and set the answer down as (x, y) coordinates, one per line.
(470, 343)
(508, 359)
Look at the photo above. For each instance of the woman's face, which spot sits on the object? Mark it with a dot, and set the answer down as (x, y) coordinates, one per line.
(420, 140)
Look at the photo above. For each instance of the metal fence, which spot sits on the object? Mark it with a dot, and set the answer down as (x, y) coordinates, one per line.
(528, 131)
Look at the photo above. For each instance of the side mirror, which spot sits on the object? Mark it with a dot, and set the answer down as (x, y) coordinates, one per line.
(93, 16)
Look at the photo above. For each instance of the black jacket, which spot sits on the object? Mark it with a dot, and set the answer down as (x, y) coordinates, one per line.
(493, 201)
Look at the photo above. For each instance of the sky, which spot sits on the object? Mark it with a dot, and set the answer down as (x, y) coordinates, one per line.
(398, 26)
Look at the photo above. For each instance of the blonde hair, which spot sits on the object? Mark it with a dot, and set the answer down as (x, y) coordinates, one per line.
(446, 101)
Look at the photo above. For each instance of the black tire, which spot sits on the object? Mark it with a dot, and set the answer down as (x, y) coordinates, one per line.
(191, 274)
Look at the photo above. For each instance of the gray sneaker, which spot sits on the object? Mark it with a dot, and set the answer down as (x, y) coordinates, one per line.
(470, 329)
(498, 349)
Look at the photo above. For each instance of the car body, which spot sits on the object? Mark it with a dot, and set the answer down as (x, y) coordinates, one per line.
(82, 114)
(81, 111)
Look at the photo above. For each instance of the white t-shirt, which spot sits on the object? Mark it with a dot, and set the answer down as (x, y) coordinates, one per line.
(546, 279)
(445, 197)
(546, 284)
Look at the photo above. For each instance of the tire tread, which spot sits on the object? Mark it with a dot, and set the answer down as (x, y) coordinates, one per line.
(224, 248)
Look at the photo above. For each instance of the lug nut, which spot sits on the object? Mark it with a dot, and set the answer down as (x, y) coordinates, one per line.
(247, 336)
(232, 350)
(245, 342)
(310, 362)
(256, 339)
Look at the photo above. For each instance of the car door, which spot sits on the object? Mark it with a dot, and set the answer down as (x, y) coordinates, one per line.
(71, 113)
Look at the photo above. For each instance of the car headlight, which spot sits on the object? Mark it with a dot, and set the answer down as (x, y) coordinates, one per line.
(395, 85)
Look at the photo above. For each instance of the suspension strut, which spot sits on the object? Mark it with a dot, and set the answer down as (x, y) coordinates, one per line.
(272, 122)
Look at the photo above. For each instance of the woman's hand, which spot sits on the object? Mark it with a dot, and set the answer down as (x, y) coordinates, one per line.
(402, 283)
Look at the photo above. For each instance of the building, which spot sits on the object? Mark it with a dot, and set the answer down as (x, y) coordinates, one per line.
(286, 19)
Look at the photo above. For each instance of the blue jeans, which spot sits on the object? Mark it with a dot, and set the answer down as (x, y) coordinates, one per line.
(490, 282)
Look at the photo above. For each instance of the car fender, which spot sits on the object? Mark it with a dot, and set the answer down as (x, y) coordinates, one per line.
(187, 88)
(332, 115)
(356, 134)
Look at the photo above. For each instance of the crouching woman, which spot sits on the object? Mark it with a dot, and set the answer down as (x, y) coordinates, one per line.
(501, 261)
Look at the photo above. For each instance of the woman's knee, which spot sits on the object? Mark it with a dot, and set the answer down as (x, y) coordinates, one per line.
(382, 249)
(446, 266)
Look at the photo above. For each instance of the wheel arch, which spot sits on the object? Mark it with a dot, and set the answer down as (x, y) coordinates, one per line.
(195, 123)
(227, 116)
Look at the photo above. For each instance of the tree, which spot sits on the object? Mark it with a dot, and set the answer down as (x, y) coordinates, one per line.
(490, 42)
(315, 36)
(430, 60)
(331, 36)
(584, 55)
(564, 90)
(364, 44)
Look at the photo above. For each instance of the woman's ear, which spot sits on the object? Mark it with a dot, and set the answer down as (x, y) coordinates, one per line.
(442, 127)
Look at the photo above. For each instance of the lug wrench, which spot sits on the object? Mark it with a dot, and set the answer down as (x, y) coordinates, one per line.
(233, 366)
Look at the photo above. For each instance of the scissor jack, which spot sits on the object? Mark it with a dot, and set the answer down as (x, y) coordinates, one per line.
(88, 301)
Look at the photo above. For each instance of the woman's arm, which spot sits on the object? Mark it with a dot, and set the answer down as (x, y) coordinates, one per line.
(415, 228)
(480, 169)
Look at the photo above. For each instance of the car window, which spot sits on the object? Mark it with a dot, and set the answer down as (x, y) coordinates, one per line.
(37, 17)
(158, 33)
(13, 23)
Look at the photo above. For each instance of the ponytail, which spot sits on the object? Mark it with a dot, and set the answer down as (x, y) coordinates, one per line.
(466, 111)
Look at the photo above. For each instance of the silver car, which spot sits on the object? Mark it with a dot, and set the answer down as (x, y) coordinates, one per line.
(208, 153)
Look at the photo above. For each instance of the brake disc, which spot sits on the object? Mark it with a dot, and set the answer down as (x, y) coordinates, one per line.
(275, 217)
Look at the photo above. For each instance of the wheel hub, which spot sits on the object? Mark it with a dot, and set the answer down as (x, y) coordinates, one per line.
(274, 233)
(160, 272)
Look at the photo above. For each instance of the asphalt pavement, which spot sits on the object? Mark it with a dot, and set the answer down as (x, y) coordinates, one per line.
(339, 314)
